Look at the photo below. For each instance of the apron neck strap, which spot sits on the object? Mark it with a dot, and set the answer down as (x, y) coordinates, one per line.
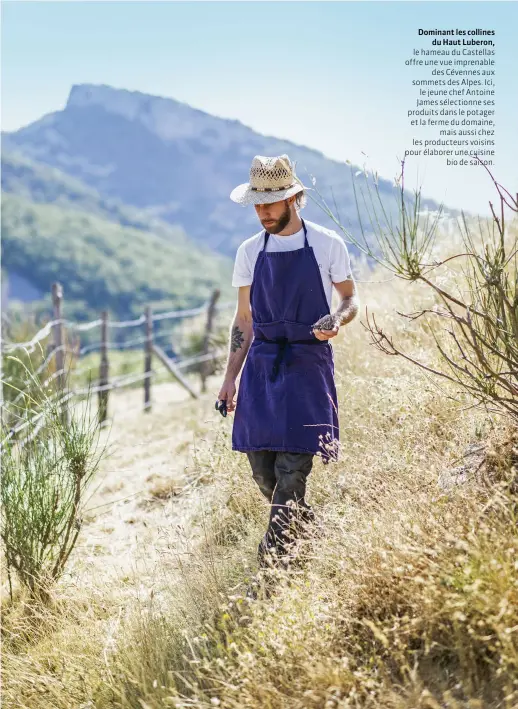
(306, 243)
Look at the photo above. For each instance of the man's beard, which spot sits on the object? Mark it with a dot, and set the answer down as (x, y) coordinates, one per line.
(281, 223)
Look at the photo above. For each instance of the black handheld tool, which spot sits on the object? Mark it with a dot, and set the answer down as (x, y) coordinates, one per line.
(221, 406)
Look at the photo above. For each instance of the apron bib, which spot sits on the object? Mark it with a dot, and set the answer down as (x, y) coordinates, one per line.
(287, 399)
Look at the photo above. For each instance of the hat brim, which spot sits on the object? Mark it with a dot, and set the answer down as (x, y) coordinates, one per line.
(243, 194)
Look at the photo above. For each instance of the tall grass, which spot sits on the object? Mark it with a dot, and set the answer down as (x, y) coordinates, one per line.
(29, 374)
(406, 599)
(409, 599)
(45, 475)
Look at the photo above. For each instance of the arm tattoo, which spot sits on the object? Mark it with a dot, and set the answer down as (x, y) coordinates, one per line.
(237, 339)
(347, 310)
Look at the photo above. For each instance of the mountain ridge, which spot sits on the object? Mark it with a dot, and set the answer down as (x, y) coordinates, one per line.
(176, 162)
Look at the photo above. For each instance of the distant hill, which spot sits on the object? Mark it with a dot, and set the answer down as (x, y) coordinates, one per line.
(103, 264)
(42, 184)
(177, 163)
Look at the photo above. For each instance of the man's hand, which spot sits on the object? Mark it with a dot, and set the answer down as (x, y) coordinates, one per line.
(327, 333)
(227, 393)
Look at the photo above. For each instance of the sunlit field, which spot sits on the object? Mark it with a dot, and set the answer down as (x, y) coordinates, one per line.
(405, 595)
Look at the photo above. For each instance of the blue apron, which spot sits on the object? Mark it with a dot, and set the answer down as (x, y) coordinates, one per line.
(287, 396)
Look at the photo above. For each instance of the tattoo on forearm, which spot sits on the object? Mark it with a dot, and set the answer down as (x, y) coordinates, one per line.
(347, 310)
(236, 340)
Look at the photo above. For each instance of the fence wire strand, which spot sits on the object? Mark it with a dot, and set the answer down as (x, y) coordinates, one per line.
(83, 327)
(62, 397)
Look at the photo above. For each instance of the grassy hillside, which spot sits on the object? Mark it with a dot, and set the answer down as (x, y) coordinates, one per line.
(102, 264)
(43, 184)
(406, 598)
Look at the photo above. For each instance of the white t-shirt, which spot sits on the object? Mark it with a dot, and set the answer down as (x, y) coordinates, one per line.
(329, 248)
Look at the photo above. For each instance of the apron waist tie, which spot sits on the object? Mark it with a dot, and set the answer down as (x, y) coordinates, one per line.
(284, 351)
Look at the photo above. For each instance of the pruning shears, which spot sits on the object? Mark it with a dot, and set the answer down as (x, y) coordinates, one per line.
(221, 406)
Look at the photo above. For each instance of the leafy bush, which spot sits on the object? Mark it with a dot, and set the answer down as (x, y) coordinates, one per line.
(42, 489)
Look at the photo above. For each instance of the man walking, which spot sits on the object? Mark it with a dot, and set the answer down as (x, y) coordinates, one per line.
(286, 409)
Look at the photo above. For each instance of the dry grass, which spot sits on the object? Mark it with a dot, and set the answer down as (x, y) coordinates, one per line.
(409, 599)
(162, 488)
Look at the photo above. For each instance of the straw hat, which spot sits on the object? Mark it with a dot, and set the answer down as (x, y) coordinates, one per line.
(271, 180)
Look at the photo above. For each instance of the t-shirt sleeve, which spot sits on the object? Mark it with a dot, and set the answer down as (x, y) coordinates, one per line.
(242, 275)
(340, 266)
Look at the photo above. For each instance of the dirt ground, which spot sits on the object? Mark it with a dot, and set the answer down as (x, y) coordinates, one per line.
(148, 487)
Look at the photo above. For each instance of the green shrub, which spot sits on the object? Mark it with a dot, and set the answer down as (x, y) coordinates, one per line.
(42, 488)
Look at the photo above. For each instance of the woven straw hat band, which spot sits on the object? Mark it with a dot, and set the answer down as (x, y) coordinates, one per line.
(271, 179)
(272, 189)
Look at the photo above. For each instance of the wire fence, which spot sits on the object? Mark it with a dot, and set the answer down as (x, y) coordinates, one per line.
(59, 327)
(8, 347)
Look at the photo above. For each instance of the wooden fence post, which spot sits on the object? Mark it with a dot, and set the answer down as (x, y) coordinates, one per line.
(57, 328)
(205, 365)
(103, 369)
(147, 362)
(159, 352)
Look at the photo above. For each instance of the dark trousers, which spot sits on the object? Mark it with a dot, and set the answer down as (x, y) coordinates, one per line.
(281, 477)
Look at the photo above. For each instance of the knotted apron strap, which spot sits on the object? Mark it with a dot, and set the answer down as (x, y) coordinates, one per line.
(282, 351)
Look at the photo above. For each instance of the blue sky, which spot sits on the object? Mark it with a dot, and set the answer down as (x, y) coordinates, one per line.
(330, 75)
